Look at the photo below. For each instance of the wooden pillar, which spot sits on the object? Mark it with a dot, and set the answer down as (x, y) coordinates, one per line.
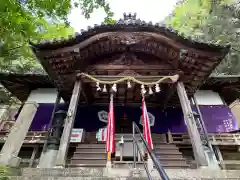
(17, 135)
(170, 138)
(4, 113)
(194, 135)
(69, 121)
(35, 151)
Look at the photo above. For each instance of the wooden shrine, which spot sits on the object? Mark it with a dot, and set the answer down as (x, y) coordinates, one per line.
(130, 48)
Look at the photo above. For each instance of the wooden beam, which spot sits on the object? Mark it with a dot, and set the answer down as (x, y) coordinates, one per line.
(130, 104)
(116, 77)
(194, 135)
(32, 159)
(125, 94)
(170, 92)
(130, 67)
(87, 92)
(134, 87)
(109, 90)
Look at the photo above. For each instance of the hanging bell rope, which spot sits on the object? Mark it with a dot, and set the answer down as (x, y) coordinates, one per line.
(173, 78)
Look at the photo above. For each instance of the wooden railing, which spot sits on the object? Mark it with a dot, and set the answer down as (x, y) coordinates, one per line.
(32, 136)
(176, 138)
(225, 139)
(215, 139)
(181, 139)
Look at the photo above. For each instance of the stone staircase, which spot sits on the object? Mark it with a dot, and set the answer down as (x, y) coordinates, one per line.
(89, 155)
(168, 155)
(94, 154)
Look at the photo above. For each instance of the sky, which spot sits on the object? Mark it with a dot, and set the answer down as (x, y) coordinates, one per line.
(147, 10)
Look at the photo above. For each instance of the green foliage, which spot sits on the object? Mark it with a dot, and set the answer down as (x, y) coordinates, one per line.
(215, 22)
(34, 20)
(4, 173)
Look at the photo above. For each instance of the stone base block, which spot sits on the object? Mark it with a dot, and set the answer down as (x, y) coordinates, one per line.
(211, 159)
(12, 161)
(15, 161)
(47, 159)
(150, 164)
(109, 164)
(116, 173)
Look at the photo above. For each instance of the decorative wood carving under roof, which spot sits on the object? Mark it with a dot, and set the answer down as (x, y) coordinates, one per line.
(133, 45)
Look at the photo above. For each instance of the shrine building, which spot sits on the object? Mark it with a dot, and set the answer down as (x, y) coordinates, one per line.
(63, 118)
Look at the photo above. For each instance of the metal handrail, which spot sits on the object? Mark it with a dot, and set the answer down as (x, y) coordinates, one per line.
(142, 157)
(157, 165)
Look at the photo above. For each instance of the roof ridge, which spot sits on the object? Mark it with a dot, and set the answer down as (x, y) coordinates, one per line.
(129, 22)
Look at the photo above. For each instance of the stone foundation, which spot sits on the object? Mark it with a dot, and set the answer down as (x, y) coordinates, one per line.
(106, 173)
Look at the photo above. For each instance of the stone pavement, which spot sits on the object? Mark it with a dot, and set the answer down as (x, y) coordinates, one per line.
(123, 174)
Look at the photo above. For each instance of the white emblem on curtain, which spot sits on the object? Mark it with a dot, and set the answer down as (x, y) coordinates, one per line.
(103, 116)
(151, 119)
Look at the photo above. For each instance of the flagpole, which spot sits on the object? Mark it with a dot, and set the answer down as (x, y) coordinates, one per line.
(109, 156)
(147, 131)
(109, 133)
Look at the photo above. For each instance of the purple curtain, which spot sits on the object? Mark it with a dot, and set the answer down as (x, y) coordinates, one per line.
(216, 118)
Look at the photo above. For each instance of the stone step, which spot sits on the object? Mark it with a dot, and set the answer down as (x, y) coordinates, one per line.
(167, 151)
(127, 165)
(62, 178)
(165, 163)
(87, 165)
(89, 160)
(173, 160)
(170, 156)
(164, 146)
(90, 154)
(92, 150)
(91, 146)
(127, 136)
(79, 171)
(159, 139)
(141, 166)
(108, 178)
(174, 164)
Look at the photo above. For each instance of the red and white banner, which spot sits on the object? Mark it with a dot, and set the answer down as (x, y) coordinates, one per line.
(146, 125)
(110, 143)
(101, 135)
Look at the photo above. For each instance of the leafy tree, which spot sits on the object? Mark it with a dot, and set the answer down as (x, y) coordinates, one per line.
(32, 20)
(215, 21)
